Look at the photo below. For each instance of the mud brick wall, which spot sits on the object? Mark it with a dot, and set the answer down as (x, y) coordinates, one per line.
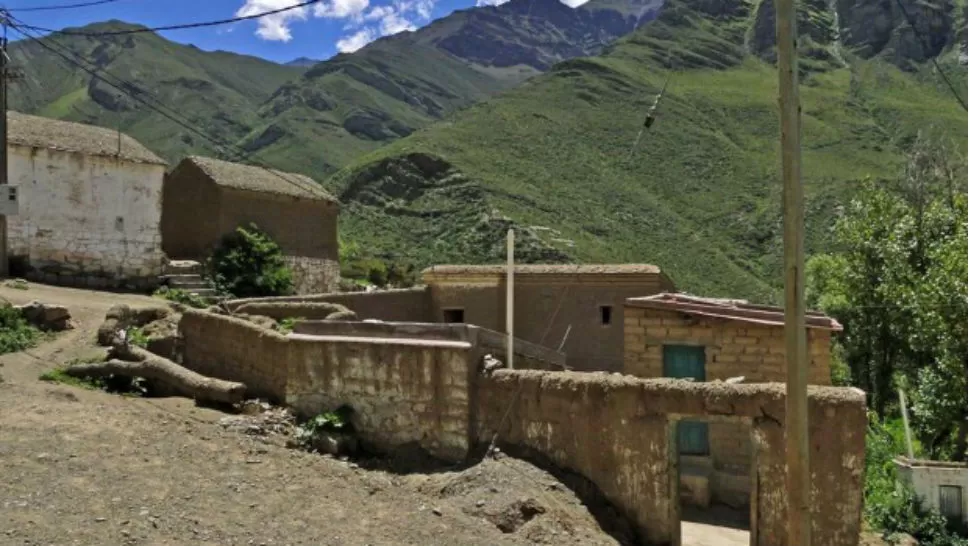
(617, 431)
(403, 305)
(237, 350)
(732, 349)
(402, 391)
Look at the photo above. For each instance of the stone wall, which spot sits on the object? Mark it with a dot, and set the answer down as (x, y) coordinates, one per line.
(84, 220)
(313, 275)
(402, 305)
(617, 431)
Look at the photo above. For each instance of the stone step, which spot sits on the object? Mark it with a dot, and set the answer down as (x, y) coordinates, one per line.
(183, 267)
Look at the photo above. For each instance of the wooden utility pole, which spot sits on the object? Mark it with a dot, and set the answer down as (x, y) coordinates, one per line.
(4, 62)
(796, 353)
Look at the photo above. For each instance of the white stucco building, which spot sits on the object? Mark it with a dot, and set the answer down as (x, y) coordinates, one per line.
(942, 486)
(90, 205)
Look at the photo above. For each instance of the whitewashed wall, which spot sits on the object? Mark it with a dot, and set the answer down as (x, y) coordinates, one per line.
(86, 220)
(926, 480)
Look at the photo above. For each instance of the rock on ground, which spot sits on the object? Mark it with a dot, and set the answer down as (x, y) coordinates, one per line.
(46, 316)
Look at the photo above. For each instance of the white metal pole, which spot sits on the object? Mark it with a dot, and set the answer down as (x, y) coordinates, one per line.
(509, 291)
(909, 438)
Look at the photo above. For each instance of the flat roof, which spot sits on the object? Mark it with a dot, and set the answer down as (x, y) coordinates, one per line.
(731, 309)
(545, 269)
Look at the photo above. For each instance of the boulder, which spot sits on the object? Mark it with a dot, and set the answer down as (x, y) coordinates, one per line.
(46, 316)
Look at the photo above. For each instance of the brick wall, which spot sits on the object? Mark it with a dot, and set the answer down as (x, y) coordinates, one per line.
(313, 275)
(732, 349)
(617, 431)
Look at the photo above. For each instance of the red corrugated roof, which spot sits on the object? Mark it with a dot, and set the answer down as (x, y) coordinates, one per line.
(731, 309)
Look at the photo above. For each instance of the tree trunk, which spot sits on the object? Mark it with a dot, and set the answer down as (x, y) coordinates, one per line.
(138, 362)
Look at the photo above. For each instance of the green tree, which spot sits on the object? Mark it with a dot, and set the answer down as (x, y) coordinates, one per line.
(249, 263)
(899, 286)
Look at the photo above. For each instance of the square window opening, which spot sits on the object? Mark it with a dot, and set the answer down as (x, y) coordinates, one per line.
(606, 315)
(951, 502)
(453, 315)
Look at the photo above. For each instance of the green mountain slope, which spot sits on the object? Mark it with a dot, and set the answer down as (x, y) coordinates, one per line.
(357, 102)
(218, 91)
(700, 196)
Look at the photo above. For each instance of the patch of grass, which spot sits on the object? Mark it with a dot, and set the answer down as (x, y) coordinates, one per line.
(181, 296)
(58, 375)
(15, 333)
(285, 325)
(138, 337)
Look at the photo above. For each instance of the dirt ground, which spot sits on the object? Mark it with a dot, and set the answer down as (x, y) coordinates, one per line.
(86, 467)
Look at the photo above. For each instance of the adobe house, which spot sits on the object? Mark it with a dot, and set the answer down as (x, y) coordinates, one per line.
(205, 199)
(550, 300)
(704, 339)
(90, 205)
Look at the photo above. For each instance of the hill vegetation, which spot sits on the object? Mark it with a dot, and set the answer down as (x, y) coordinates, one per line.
(700, 195)
(219, 92)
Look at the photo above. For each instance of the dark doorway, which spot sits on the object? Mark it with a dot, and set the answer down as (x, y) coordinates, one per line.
(453, 315)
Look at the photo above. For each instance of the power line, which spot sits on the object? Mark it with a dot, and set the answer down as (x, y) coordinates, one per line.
(126, 87)
(173, 27)
(923, 47)
(64, 6)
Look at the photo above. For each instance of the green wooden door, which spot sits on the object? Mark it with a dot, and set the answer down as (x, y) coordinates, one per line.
(687, 361)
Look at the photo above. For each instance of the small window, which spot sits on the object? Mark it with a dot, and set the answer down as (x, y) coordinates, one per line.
(606, 315)
(951, 502)
(454, 315)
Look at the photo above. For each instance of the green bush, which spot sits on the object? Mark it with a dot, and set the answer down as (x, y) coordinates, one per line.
(249, 263)
(181, 296)
(15, 333)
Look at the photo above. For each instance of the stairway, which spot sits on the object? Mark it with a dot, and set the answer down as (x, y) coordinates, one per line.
(186, 275)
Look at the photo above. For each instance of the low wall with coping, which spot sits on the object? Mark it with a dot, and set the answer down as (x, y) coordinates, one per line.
(422, 384)
(618, 431)
(404, 304)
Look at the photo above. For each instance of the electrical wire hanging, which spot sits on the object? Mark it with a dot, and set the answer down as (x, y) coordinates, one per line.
(64, 6)
(172, 27)
(136, 93)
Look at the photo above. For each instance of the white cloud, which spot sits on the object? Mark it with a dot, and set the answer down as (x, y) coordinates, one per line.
(357, 40)
(378, 13)
(480, 3)
(574, 3)
(394, 23)
(340, 9)
(274, 27)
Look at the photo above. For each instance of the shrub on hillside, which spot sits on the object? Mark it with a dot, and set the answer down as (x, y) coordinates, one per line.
(248, 263)
(15, 333)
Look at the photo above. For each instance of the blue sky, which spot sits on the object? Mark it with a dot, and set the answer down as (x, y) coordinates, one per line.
(318, 31)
